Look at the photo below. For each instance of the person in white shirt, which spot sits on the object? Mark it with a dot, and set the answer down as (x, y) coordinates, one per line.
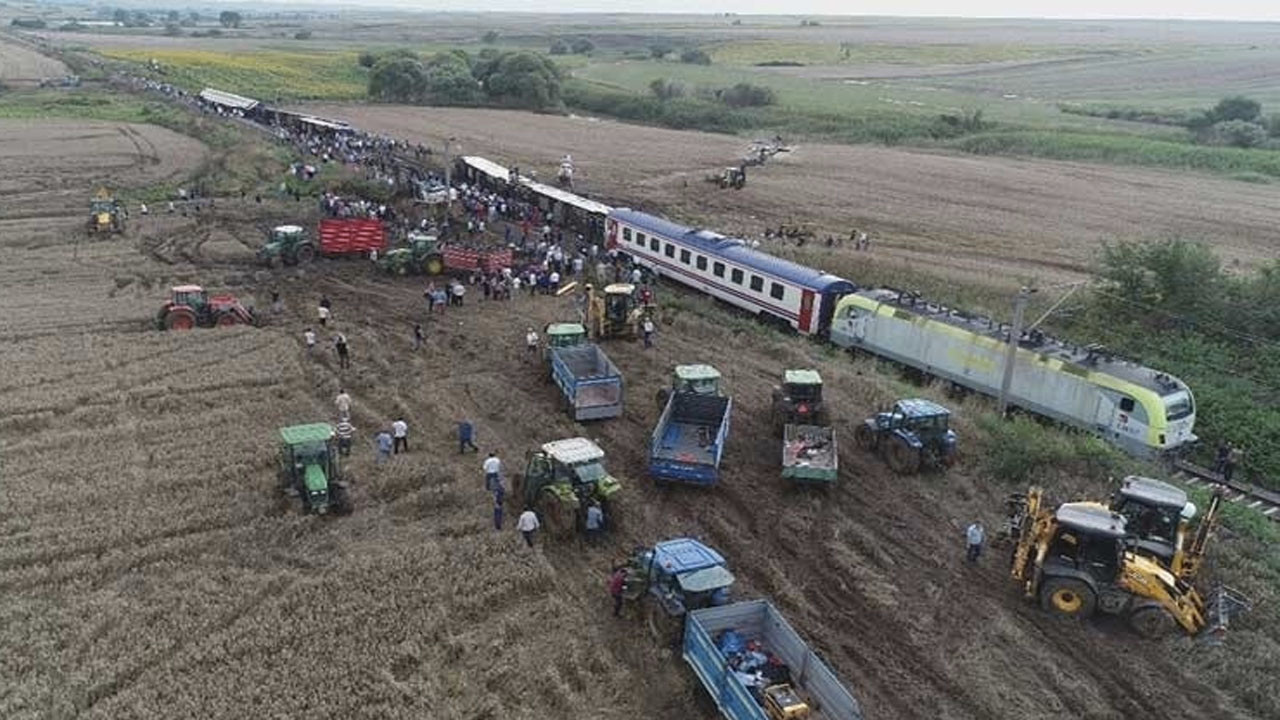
(458, 291)
(974, 536)
(530, 341)
(324, 313)
(527, 524)
(555, 280)
(635, 276)
(647, 329)
(309, 336)
(399, 436)
(343, 403)
(492, 472)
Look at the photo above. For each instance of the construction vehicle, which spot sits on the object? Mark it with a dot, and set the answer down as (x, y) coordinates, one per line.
(914, 434)
(105, 213)
(309, 469)
(799, 399)
(589, 382)
(1157, 520)
(689, 439)
(670, 579)
(190, 306)
(562, 479)
(420, 256)
(756, 666)
(288, 245)
(615, 313)
(731, 177)
(1076, 562)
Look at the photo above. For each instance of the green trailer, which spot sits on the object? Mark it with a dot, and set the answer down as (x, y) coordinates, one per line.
(809, 454)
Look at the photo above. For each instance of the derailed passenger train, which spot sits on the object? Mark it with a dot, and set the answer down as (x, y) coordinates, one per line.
(1143, 411)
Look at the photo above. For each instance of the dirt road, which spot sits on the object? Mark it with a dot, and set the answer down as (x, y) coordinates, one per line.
(982, 219)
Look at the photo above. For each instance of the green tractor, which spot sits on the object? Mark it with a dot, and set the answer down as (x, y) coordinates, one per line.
(561, 479)
(798, 401)
(287, 244)
(691, 380)
(421, 256)
(565, 334)
(309, 469)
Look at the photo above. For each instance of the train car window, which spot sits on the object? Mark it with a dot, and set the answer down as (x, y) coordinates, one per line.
(776, 291)
(736, 276)
(670, 251)
(757, 283)
(1126, 404)
(640, 239)
(684, 256)
(702, 262)
(653, 244)
(717, 269)
(626, 234)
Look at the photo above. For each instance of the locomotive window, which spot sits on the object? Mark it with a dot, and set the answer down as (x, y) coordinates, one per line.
(1126, 404)
(684, 256)
(653, 244)
(776, 291)
(717, 269)
(702, 262)
(670, 251)
(736, 276)
(626, 234)
(757, 283)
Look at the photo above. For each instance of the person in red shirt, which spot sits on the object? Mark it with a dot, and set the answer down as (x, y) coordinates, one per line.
(618, 583)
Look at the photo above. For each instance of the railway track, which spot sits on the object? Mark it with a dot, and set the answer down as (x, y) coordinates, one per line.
(1264, 501)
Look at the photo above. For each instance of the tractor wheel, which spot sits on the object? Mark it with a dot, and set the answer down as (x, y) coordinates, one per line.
(305, 254)
(1151, 621)
(1068, 597)
(902, 458)
(226, 319)
(433, 265)
(864, 437)
(179, 319)
(663, 628)
(556, 516)
(661, 398)
(341, 500)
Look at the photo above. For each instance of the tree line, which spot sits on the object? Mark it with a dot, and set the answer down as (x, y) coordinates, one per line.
(517, 79)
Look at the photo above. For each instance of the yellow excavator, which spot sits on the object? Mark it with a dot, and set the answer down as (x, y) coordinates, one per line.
(105, 214)
(617, 312)
(1081, 559)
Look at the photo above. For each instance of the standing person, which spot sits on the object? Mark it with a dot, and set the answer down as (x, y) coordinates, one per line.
(1234, 457)
(974, 535)
(324, 314)
(466, 432)
(617, 586)
(458, 291)
(530, 342)
(400, 435)
(595, 522)
(553, 282)
(384, 443)
(635, 275)
(344, 356)
(277, 305)
(309, 337)
(417, 336)
(345, 431)
(647, 330)
(1220, 461)
(499, 496)
(492, 471)
(343, 402)
(527, 525)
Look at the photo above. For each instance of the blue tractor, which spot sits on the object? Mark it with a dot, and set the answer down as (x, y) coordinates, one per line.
(673, 577)
(914, 434)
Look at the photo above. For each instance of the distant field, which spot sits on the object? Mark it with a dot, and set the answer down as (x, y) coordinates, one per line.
(264, 74)
(814, 53)
(20, 65)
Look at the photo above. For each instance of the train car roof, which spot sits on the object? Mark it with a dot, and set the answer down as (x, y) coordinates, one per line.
(1082, 357)
(735, 250)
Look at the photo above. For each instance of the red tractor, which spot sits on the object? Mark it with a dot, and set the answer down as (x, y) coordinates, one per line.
(191, 306)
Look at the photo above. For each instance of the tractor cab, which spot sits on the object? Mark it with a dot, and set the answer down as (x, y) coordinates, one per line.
(563, 477)
(423, 243)
(105, 213)
(565, 334)
(619, 301)
(913, 434)
(696, 380)
(1156, 515)
(192, 296)
(923, 418)
(799, 399)
(286, 234)
(309, 467)
(1089, 539)
(288, 244)
(682, 574)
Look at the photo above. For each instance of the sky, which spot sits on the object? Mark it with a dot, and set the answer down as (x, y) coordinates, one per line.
(1164, 9)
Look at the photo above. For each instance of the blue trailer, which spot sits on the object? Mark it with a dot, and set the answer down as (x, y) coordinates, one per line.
(689, 439)
(813, 690)
(588, 380)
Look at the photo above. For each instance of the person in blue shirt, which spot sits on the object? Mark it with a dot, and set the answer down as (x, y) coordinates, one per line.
(466, 433)
(595, 522)
(384, 442)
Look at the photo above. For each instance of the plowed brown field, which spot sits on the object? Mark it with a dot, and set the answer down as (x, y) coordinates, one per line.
(150, 569)
(21, 66)
(983, 219)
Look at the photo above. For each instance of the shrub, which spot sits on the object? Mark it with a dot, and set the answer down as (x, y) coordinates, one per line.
(747, 95)
(658, 51)
(490, 37)
(366, 59)
(582, 46)
(559, 47)
(302, 35)
(1237, 108)
(1237, 133)
(694, 56)
(666, 89)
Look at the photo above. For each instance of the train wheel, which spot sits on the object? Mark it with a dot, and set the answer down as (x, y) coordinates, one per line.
(1068, 597)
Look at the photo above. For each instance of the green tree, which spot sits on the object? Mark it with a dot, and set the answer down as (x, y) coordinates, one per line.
(1237, 108)
(398, 79)
(582, 46)
(230, 18)
(449, 79)
(1238, 133)
(366, 59)
(658, 51)
(747, 95)
(490, 37)
(694, 56)
(666, 89)
(302, 35)
(520, 79)
(1178, 277)
(559, 47)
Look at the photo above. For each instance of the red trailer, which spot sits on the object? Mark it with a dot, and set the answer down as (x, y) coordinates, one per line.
(351, 236)
(459, 257)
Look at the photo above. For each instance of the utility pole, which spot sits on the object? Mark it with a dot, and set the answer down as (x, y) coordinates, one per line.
(1011, 356)
(448, 176)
